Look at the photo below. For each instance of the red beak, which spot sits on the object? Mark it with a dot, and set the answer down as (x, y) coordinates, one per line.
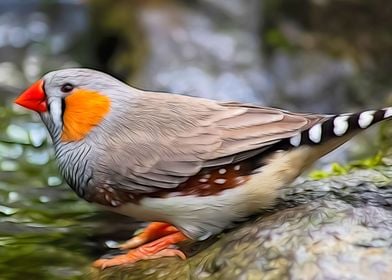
(33, 98)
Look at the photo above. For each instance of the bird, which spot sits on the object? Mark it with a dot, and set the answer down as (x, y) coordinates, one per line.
(192, 167)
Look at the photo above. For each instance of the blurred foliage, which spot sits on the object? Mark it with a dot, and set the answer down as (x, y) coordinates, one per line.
(338, 169)
(326, 25)
(120, 47)
(41, 231)
(355, 30)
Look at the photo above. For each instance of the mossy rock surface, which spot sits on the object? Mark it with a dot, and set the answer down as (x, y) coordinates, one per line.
(335, 228)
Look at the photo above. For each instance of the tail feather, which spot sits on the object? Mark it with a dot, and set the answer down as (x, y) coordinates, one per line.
(340, 125)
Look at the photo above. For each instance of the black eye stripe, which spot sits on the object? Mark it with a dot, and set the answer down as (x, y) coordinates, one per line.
(67, 87)
(62, 107)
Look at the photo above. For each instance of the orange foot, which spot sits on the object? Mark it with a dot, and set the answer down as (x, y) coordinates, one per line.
(155, 249)
(152, 232)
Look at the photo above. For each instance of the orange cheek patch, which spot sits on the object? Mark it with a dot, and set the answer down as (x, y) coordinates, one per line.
(84, 109)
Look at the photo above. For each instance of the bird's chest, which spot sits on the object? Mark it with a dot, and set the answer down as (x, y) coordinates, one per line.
(74, 163)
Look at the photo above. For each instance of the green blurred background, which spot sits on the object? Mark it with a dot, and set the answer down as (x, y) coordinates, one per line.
(312, 55)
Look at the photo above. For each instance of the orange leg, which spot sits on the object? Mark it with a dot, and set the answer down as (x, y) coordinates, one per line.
(152, 232)
(155, 249)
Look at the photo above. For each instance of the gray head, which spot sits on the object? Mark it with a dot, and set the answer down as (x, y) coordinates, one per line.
(74, 93)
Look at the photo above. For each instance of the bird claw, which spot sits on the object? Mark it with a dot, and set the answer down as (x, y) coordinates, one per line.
(152, 232)
(135, 256)
(156, 249)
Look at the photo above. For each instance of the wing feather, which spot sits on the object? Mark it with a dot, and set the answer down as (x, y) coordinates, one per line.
(172, 138)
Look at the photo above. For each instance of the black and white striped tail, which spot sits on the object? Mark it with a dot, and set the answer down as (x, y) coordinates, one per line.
(339, 125)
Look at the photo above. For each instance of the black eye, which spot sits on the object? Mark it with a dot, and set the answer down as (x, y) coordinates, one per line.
(67, 87)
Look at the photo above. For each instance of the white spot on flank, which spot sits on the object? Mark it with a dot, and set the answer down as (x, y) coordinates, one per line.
(115, 203)
(203, 180)
(296, 140)
(220, 181)
(388, 113)
(222, 171)
(207, 176)
(237, 167)
(315, 133)
(340, 125)
(365, 119)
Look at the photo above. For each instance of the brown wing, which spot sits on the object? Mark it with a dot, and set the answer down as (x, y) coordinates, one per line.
(179, 137)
